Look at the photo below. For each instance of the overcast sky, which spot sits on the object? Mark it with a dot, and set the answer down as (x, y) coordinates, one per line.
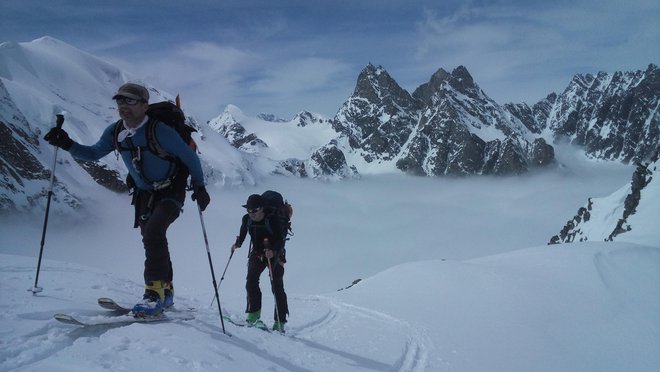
(285, 56)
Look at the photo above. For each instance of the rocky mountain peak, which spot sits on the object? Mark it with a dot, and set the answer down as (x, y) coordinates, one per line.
(377, 86)
(442, 82)
(427, 91)
(462, 81)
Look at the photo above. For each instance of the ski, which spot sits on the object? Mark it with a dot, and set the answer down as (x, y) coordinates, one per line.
(110, 304)
(121, 320)
(122, 316)
(242, 323)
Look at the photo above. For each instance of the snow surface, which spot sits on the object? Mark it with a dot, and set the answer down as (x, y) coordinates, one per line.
(455, 275)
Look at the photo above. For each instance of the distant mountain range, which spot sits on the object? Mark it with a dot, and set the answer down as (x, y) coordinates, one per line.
(447, 126)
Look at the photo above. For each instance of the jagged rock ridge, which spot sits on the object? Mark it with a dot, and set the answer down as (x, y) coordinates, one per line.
(612, 116)
(609, 218)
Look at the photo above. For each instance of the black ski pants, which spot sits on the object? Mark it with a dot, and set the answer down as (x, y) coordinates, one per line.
(154, 218)
(256, 266)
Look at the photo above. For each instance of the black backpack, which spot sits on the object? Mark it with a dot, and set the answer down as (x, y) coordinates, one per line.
(275, 204)
(169, 114)
(165, 112)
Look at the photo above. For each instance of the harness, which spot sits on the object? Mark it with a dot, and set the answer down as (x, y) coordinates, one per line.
(253, 227)
(176, 167)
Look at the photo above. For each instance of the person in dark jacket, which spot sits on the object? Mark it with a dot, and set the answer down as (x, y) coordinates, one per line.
(266, 251)
(159, 187)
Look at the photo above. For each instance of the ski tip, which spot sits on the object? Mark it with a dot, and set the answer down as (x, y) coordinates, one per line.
(67, 319)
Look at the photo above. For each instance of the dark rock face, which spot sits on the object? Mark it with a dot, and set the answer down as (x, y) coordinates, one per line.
(613, 116)
(24, 179)
(439, 129)
(17, 164)
(541, 153)
(533, 118)
(325, 163)
(378, 118)
(239, 138)
(645, 173)
(104, 176)
(330, 160)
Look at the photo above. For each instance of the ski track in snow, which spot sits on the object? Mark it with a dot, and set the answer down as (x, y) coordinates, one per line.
(412, 357)
(319, 333)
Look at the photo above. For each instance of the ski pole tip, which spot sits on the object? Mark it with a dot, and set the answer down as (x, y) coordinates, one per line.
(35, 290)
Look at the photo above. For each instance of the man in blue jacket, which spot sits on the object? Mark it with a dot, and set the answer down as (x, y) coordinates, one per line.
(159, 183)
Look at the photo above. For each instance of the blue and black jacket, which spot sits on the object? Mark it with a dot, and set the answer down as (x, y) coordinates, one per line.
(144, 167)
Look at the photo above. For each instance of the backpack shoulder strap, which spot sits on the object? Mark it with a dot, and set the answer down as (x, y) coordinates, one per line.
(152, 140)
(115, 134)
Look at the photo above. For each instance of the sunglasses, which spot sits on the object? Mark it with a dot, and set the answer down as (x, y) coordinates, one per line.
(127, 101)
(253, 210)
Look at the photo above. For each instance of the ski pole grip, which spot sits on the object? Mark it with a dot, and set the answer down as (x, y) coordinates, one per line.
(60, 121)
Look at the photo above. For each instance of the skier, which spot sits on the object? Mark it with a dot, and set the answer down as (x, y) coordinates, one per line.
(266, 251)
(159, 185)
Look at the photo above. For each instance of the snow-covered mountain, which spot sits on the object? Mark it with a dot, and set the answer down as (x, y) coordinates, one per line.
(303, 146)
(448, 126)
(629, 214)
(614, 116)
(45, 77)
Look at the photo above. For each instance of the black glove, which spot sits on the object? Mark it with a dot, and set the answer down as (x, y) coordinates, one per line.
(58, 137)
(201, 196)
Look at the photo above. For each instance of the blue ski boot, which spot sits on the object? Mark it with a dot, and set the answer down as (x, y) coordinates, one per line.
(152, 303)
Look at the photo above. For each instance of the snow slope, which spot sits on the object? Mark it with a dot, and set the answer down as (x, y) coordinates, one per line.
(449, 282)
(568, 309)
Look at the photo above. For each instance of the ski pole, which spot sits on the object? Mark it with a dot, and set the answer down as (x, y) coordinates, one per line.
(223, 275)
(208, 253)
(36, 289)
(270, 275)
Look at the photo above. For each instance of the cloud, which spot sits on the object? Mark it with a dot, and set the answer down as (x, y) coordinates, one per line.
(205, 74)
(200, 62)
(514, 45)
(300, 76)
(289, 56)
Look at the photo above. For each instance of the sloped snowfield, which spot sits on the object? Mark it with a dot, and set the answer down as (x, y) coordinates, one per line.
(326, 334)
(455, 276)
